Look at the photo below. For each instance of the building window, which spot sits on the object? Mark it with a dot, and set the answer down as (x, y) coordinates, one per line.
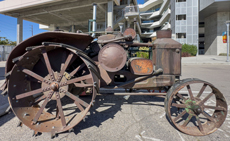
(201, 35)
(180, 17)
(180, 35)
(180, 0)
(201, 24)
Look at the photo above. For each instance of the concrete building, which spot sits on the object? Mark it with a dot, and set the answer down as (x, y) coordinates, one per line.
(185, 21)
(68, 15)
(197, 22)
(213, 15)
(155, 15)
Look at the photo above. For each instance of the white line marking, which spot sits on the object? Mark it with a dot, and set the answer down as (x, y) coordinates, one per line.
(226, 135)
(142, 132)
(148, 137)
(212, 101)
(221, 130)
(227, 118)
(182, 139)
(162, 115)
(138, 137)
(153, 139)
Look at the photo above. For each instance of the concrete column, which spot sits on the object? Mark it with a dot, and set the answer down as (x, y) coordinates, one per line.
(94, 18)
(73, 29)
(110, 14)
(19, 30)
(128, 2)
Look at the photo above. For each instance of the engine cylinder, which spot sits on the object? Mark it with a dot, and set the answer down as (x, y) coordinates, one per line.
(112, 57)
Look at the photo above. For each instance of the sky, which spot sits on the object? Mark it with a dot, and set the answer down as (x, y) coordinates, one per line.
(8, 27)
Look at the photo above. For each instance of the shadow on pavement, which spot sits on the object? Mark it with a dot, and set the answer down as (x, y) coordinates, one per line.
(115, 102)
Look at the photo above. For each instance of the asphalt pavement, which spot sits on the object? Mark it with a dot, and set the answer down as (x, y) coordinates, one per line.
(140, 118)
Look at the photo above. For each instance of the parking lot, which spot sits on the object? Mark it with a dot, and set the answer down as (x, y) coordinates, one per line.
(140, 118)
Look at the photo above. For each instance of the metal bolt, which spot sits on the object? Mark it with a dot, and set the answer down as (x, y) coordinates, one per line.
(18, 70)
(27, 58)
(25, 75)
(14, 85)
(32, 63)
(25, 89)
(53, 127)
(38, 123)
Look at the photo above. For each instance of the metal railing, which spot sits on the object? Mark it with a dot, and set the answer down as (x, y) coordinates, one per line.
(5, 51)
(131, 10)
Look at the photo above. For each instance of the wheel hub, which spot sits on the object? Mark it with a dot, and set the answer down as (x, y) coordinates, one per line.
(193, 106)
(54, 86)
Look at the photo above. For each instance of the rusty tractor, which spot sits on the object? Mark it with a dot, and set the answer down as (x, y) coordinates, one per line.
(52, 80)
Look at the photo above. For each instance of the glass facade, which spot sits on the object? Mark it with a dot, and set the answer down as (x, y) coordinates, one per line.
(185, 21)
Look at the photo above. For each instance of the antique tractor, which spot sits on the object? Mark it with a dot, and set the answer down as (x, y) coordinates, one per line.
(52, 80)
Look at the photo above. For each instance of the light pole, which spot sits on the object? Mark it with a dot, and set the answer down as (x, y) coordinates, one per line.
(228, 24)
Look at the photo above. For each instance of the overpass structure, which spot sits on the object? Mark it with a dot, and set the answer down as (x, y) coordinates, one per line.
(68, 15)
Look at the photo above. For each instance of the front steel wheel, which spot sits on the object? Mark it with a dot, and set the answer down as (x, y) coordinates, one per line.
(46, 85)
(195, 107)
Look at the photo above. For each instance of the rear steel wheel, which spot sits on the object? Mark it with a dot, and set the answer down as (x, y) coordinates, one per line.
(45, 85)
(195, 114)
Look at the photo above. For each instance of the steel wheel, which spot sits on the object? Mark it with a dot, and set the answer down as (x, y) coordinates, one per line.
(45, 85)
(194, 112)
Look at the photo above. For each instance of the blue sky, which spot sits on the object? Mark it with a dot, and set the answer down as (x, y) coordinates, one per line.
(8, 27)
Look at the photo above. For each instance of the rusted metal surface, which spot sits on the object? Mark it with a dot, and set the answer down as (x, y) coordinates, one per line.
(130, 31)
(129, 37)
(78, 40)
(167, 55)
(141, 66)
(33, 111)
(184, 108)
(51, 71)
(112, 57)
(164, 34)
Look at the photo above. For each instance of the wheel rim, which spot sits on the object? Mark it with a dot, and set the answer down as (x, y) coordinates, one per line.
(56, 109)
(196, 114)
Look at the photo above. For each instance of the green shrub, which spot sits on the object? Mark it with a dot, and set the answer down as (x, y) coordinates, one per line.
(223, 54)
(142, 54)
(190, 49)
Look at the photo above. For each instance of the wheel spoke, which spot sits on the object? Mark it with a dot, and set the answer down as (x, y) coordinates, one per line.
(47, 62)
(190, 92)
(79, 79)
(60, 110)
(79, 106)
(205, 99)
(20, 96)
(66, 63)
(180, 96)
(179, 116)
(76, 99)
(207, 116)
(187, 120)
(40, 99)
(77, 69)
(40, 110)
(200, 125)
(202, 90)
(215, 108)
(179, 105)
(82, 85)
(34, 75)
